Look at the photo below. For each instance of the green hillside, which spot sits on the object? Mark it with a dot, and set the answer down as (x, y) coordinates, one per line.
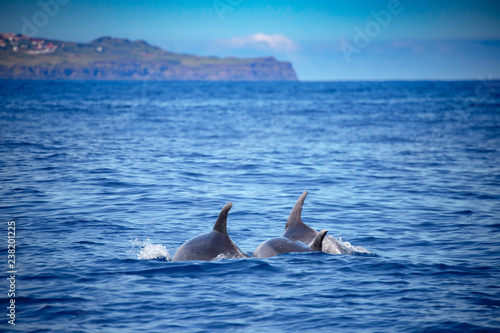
(107, 58)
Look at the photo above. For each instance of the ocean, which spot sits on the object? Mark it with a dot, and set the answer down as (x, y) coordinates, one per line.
(103, 181)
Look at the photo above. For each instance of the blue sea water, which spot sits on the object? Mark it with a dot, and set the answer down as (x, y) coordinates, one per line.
(105, 180)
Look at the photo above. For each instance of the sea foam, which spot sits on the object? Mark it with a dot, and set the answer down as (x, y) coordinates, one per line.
(148, 250)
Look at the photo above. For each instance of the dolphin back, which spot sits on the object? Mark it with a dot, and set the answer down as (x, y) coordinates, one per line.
(317, 243)
(211, 245)
(208, 247)
(278, 245)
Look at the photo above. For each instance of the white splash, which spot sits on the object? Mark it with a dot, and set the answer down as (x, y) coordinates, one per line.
(350, 249)
(225, 256)
(220, 257)
(148, 250)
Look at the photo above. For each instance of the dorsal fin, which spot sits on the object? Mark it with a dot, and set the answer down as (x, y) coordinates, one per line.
(221, 224)
(317, 243)
(294, 219)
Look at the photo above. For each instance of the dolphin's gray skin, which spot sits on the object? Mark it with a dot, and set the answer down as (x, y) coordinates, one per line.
(278, 245)
(210, 245)
(296, 229)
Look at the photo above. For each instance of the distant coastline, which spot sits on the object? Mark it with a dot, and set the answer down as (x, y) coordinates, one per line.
(106, 58)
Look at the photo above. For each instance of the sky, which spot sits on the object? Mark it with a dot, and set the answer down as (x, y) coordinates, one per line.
(324, 40)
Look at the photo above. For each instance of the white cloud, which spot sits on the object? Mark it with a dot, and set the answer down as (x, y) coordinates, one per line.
(260, 41)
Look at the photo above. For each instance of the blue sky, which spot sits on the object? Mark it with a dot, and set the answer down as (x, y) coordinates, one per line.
(325, 40)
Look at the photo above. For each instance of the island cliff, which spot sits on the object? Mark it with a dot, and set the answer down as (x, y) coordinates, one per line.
(106, 58)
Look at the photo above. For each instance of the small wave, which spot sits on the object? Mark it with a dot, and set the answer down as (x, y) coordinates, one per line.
(464, 212)
(348, 248)
(149, 251)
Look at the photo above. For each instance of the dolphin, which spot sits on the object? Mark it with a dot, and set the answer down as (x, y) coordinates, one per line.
(278, 245)
(210, 245)
(296, 229)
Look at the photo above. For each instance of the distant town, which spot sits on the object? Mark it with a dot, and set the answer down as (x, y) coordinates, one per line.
(26, 44)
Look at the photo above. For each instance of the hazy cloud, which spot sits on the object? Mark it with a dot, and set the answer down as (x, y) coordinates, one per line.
(262, 41)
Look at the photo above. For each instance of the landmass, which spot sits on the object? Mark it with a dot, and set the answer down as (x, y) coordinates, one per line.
(106, 58)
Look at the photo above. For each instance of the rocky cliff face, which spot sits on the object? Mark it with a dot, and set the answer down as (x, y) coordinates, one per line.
(107, 58)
